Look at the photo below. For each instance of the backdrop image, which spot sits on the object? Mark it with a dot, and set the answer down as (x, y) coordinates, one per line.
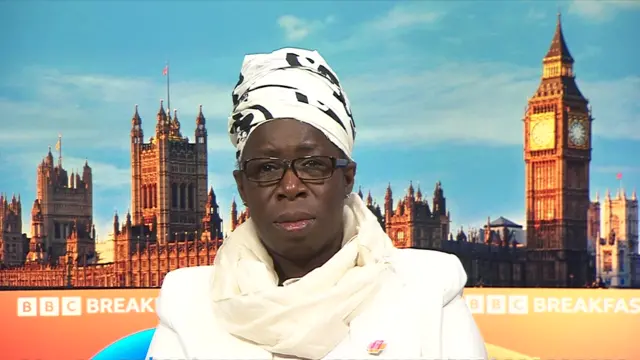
(505, 133)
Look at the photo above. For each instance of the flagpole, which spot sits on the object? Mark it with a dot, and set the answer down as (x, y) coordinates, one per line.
(620, 183)
(168, 97)
(619, 176)
(60, 150)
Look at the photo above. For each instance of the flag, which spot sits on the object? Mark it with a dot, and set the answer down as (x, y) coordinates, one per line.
(619, 176)
(58, 145)
(165, 71)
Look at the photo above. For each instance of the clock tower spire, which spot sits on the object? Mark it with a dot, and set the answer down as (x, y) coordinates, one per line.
(557, 157)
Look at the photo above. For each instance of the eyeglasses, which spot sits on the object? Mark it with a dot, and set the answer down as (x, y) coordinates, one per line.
(271, 169)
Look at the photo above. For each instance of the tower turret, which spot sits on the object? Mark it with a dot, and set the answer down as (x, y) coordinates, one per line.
(212, 222)
(439, 201)
(234, 214)
(201, 129)
(116, 224)
(174, 128)
(162, 122)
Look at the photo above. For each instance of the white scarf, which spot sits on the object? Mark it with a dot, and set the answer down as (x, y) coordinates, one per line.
(311, 316)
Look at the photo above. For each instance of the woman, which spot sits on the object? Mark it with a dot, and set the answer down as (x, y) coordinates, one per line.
(311, 274)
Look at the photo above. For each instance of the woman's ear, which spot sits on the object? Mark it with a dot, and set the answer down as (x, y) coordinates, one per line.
(237, 175)
(349, 177)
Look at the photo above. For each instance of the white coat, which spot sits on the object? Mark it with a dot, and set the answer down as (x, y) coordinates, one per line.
(419, 314)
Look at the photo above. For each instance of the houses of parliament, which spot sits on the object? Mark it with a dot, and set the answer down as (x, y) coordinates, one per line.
(174, 220)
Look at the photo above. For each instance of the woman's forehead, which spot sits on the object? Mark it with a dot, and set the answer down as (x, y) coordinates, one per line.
(287, 135)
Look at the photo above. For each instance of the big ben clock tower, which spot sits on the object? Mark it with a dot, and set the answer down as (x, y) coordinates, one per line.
(557, 154)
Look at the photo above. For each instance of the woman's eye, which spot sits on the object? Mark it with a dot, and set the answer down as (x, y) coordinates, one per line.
(312, 163)
(268, 167)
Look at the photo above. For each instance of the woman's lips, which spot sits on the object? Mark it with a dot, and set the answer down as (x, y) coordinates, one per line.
(295, 225)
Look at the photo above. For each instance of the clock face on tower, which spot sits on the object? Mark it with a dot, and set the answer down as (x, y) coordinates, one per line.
(542, 134)
(577, 131)
(577, 134)
(542, 131)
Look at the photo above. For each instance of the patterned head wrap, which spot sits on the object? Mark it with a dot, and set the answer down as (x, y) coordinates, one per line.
(290, 83)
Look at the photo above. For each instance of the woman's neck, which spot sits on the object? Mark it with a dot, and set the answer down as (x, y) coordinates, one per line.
(293, 269)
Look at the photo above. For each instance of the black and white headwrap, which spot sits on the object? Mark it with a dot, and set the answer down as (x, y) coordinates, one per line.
(290, 83)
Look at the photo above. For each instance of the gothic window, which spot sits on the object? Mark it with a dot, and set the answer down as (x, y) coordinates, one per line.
(58, 233)
(537, 176)
(576, 175)
(183, 196)
(174, 195)
(145, 197)
(191, 196)
(607, 261)
(543, 175)
(621, 260)
(546, 214)
(154, 194)
(573, 176)
(581, 177)
(615, 224)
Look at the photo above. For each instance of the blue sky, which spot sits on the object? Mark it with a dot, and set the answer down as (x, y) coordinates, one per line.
(438, 88)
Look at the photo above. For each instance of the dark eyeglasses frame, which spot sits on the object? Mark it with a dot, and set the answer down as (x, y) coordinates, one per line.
(336, 163)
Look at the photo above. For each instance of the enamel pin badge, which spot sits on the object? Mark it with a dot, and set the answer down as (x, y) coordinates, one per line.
(376, 347)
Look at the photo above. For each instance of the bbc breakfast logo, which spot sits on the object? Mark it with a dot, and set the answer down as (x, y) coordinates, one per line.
(496, 304)
(78, 305)
(490, 304)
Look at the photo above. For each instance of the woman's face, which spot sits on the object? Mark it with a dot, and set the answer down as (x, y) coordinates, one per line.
(295, 219)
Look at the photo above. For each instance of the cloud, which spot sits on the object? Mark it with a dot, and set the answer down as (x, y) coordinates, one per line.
(383, 31)
(403, 16)
(221, 180)
(296, 29)
(94, 110)
(480, 103)
(455, 102)
(612, 169)
(601, 11)
(460, 102)
(589, 51)
(536, 15)
(105, 176)
(617, 99)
